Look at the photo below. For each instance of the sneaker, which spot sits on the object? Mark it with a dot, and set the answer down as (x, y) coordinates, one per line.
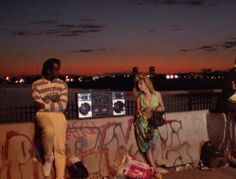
(47, 167)
(162, 170)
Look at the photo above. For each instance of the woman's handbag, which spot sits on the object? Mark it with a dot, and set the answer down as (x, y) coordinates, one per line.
(156, 120)
(76, 169)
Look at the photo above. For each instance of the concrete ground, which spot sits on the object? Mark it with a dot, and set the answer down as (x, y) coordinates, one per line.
(219, 173)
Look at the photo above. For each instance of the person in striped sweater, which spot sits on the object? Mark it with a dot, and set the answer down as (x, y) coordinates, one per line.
(50, 96)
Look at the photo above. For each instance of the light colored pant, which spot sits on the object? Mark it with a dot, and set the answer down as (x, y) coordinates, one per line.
(53, 126)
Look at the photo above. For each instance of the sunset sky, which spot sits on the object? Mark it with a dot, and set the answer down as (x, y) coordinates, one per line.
(105, 36)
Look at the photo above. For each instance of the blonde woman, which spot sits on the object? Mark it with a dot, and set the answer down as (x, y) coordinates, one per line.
(147, 100)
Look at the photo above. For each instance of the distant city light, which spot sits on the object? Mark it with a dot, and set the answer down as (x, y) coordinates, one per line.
(172, 76)
(80, 79)
(68, 79)
(7, 78)
(21, 80)
(95, 78)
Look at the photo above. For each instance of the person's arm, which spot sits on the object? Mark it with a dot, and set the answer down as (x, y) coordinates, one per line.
(38, 101)
(161, 106)
(139, 124)
(138, 106)
(59, 104)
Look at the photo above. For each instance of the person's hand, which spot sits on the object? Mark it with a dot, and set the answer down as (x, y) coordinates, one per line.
(147, 112)
(158, 109)
(55, 98)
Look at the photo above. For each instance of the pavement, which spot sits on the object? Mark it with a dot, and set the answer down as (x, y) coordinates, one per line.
(219, 173)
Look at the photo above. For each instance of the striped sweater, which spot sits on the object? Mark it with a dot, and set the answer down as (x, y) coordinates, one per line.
(54, 95)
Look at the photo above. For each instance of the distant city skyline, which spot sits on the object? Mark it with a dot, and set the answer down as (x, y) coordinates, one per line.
(97, 37)
(151, 71)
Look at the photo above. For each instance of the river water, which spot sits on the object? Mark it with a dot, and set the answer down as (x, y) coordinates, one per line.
(14, 95)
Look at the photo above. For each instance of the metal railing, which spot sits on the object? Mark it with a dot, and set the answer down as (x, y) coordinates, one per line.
(182, 102)
(174, 102)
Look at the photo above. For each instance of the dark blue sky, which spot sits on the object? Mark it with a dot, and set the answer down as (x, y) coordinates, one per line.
(104, 36)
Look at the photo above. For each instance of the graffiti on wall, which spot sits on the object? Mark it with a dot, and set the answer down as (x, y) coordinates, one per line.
(174, 147)
(17, 157)
(85, 139)
(104, 142)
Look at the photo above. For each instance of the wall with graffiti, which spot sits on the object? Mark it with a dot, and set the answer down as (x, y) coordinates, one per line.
(101, 144)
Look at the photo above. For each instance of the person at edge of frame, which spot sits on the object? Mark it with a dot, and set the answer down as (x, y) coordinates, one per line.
(230, 149)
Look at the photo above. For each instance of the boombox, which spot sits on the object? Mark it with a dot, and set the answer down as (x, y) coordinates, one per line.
(100, 103)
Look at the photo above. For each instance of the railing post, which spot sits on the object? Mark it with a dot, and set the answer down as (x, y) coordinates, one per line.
(26, 113)
(190, 103)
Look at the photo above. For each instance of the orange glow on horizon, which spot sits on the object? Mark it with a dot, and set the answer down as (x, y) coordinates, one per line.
(115, 65)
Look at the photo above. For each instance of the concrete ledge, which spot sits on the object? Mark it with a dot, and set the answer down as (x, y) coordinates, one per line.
(101, 144)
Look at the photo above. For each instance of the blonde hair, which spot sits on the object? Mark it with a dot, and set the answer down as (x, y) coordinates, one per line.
(147, 81)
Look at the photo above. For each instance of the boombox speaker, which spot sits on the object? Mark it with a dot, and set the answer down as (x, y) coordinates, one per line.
(118, 103)
(84, 104)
